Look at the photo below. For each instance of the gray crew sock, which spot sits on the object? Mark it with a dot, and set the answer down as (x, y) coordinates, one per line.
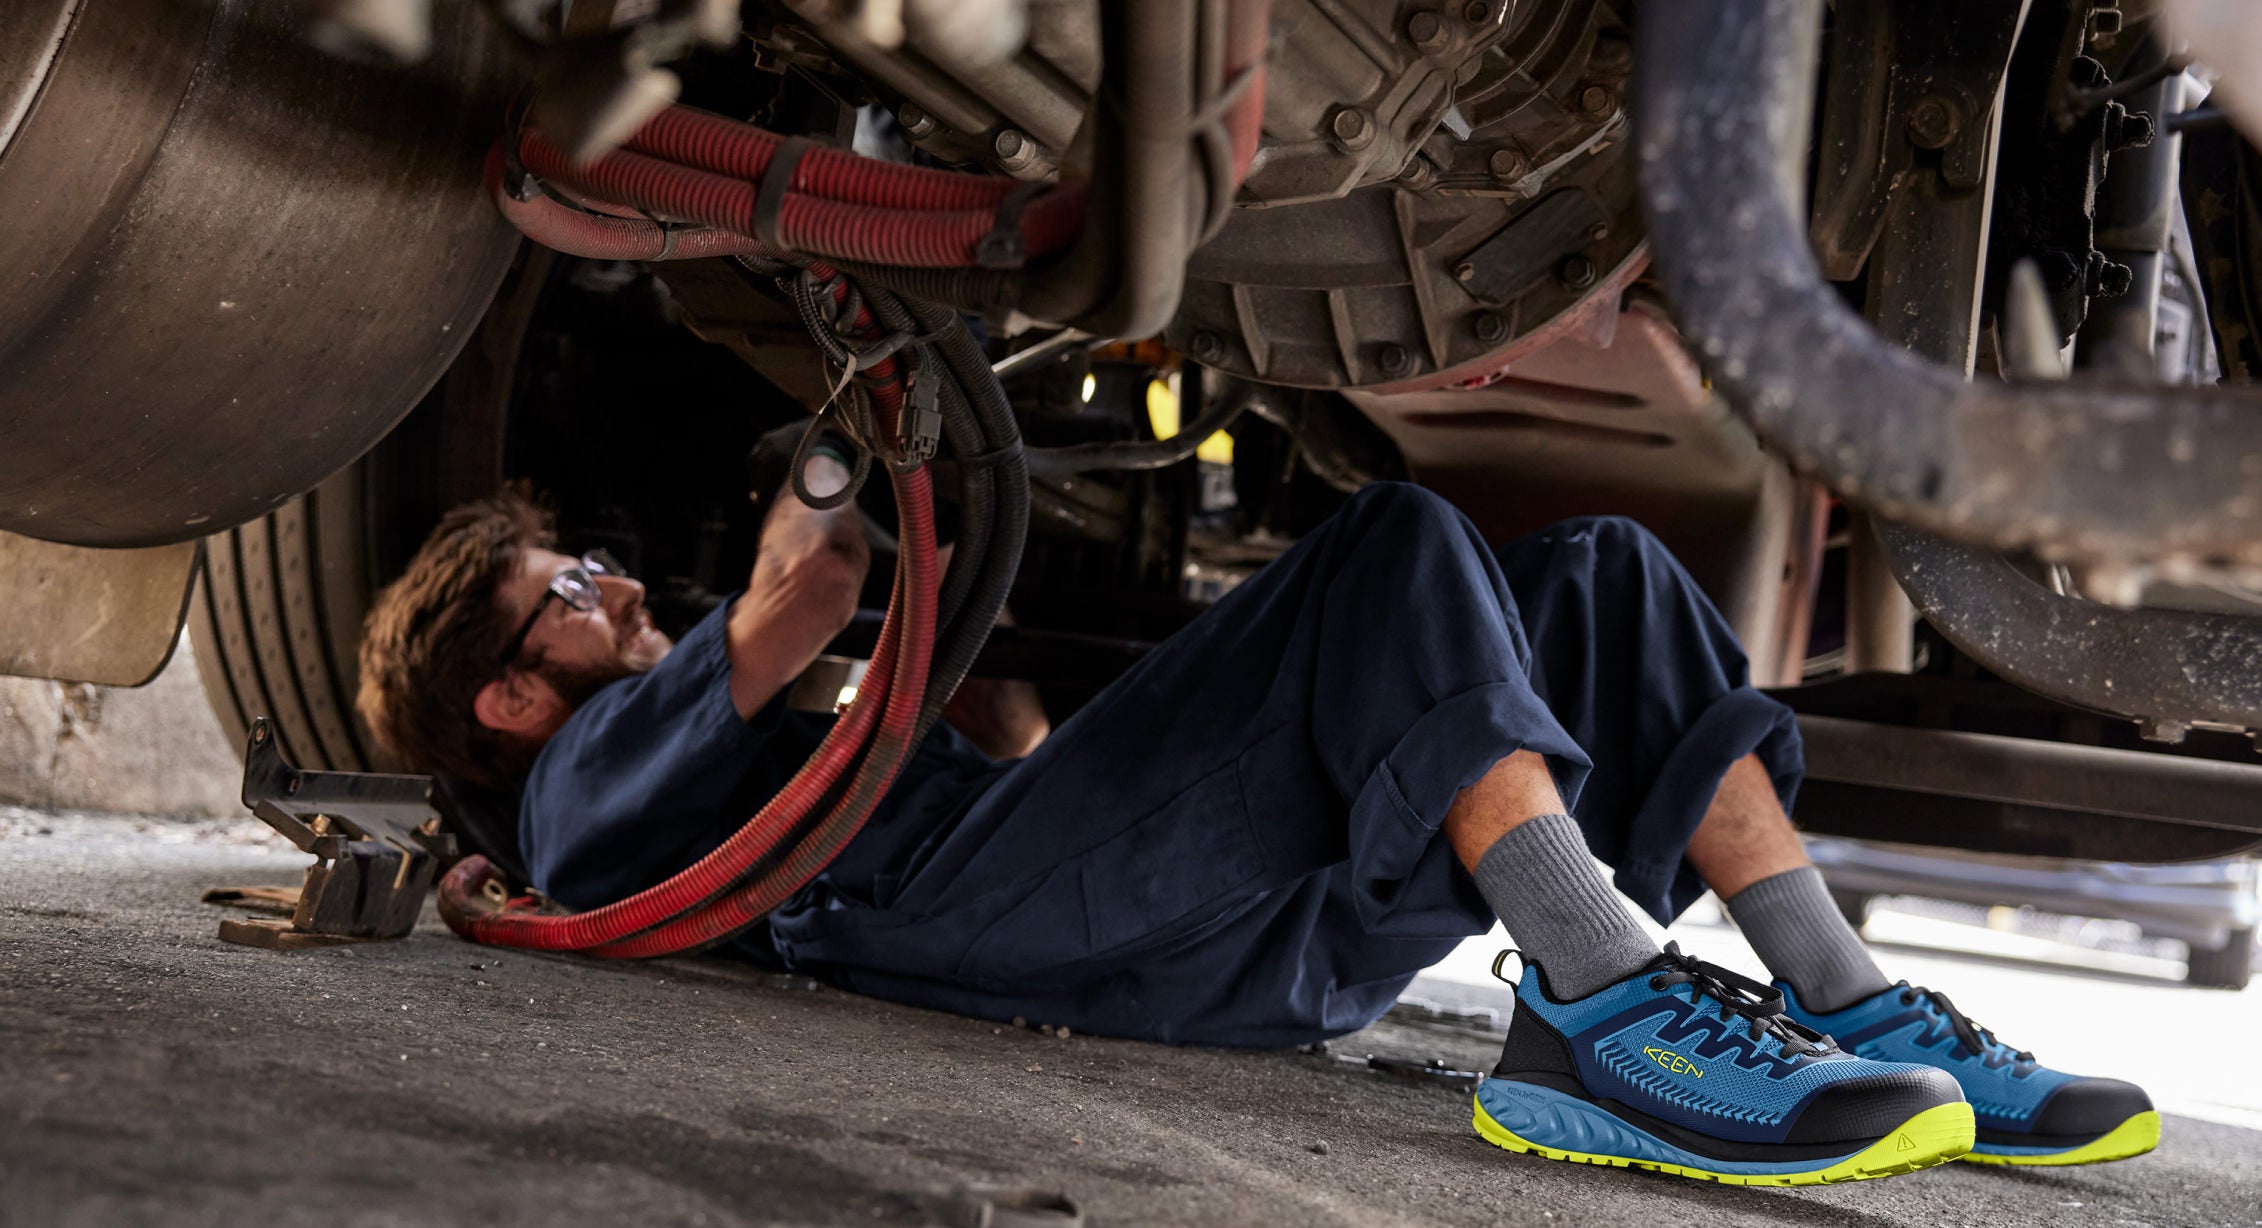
(1541, 882)
(1790, 919)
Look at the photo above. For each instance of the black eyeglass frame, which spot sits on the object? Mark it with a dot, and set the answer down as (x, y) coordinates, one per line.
(576, 586)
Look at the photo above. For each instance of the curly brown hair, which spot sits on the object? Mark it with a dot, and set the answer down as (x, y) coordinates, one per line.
(433, 636)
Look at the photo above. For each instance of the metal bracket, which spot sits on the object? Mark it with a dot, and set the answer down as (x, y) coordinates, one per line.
(1526, 250)
(375, 837)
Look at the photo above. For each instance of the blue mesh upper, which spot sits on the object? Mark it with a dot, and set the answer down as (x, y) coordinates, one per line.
(2004, 1092)
(1682, 1058)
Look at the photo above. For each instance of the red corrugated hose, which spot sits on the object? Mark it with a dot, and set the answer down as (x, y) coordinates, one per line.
(687, 185)
(705, 903)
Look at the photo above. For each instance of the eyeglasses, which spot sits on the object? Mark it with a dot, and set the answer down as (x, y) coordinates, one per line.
(576, 586)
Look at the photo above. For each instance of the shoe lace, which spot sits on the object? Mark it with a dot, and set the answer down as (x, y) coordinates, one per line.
(1977, 1039)
(1740, 997)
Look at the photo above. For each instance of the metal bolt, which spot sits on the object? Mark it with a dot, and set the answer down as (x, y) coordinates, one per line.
(2126, 129)
(1490, 327)
(2155, 730)
(1477, 13)
(1394, 359)
(1595, 102)
(1599, 231)
(1015, 152)
(2106, 23)
(2104, 277)
(915, 122)
(1933, 122)
(1420, 174)
(1577, 272)
(1427, 30)
(1508, 164)
(1352, 127)
(1208, 347)
(1464, 271)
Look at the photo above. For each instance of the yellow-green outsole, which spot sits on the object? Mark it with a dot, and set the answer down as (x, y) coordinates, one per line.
(1934, 1136)
(2131, 1138)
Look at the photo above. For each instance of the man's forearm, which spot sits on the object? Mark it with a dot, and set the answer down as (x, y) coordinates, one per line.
(802, 593)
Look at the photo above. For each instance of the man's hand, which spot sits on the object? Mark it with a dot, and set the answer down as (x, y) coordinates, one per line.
(767, 464)
(803, 591)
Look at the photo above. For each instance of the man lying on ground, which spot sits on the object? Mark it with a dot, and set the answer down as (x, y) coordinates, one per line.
(1366, 753)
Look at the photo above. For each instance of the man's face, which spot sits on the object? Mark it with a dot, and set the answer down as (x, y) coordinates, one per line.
(578, 651)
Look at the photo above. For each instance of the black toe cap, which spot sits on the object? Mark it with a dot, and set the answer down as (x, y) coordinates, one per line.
(1865, 1108)
(2089, 1106)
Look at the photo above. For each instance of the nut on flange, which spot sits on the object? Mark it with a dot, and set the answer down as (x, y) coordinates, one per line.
(1352, 128)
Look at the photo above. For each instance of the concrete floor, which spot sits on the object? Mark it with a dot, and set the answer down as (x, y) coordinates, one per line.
(150, 1074)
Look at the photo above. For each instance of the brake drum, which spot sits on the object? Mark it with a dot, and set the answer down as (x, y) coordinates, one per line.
(231, 262)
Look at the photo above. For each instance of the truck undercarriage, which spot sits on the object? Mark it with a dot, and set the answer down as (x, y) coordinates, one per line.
(1798, 286)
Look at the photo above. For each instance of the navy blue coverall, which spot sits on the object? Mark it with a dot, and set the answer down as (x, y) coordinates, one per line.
(1237, 843)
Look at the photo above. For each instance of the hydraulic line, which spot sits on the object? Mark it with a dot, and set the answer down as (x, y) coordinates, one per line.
(647, 924)
(935, 234)
(907, 636)
(709, 142)
(606, 236)
(910, 236)
(891, 747)
(900, 663)
(1004, 466)
(694, 184)
(787, 844)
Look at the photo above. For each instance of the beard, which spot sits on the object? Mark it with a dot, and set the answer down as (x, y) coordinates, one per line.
(576, 683)
(641, 646)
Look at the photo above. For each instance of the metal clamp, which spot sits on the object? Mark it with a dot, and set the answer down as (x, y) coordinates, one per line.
(376, 840)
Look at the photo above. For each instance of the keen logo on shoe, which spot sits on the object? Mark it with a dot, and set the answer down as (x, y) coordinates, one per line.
(1671, 1061)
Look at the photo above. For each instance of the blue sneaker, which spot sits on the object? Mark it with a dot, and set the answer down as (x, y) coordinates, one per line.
(1688, 1068)
(2026, 1113)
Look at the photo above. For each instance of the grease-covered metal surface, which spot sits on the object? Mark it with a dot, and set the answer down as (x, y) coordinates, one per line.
(2171, 665)
(2078, 469)
(1441, 193)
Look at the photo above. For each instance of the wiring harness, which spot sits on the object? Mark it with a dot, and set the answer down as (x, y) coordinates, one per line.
(879, 259)
(914, 377)
(690, 184)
